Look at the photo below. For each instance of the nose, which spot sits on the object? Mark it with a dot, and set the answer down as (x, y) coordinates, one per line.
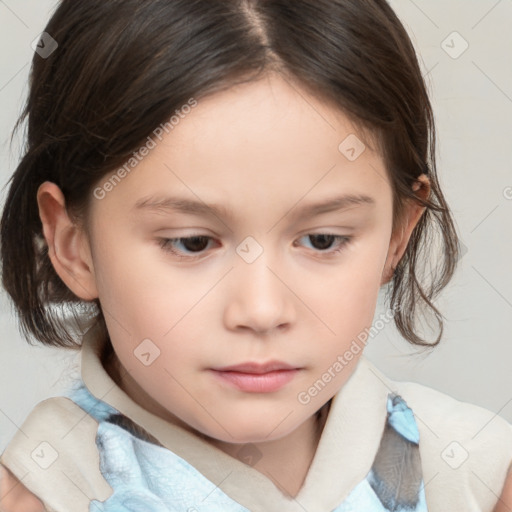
(259, 297)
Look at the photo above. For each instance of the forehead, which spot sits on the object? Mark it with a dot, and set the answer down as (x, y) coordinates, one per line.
(270, 115)
(265, 142)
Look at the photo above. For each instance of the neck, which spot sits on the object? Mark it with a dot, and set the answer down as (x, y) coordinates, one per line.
(280, 460)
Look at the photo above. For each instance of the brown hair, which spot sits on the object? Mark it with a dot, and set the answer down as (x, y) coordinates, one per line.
(123, 67)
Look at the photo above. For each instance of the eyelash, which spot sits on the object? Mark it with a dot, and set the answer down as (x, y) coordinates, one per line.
(166, 245)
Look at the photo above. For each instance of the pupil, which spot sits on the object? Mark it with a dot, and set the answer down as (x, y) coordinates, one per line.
(322, 239)
(195, 243)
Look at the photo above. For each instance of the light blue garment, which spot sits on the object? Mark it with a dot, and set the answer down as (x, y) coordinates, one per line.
(146, 477)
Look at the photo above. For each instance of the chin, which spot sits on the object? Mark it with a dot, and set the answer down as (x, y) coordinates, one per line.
(253, 430)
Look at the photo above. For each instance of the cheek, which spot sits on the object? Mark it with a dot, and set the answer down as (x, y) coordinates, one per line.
(346, 301)
(138, 289)
(152, 308)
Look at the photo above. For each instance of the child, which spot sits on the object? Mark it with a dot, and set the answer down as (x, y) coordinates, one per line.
(187, 163)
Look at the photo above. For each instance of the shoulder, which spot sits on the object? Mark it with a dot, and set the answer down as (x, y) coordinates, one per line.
(442, 416)
(445, 417)
(447, 412)
(463, 447)
(57, 438)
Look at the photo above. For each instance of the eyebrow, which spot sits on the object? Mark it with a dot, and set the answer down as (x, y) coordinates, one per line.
(183, 205)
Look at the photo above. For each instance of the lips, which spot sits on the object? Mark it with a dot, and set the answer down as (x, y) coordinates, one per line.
(254, 377)
(257, 368)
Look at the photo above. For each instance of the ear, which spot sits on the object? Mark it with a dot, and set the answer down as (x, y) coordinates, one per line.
(400, 239)
(68, 245)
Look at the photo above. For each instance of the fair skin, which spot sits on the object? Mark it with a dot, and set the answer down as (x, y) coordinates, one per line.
(14, 496)
(264, 150)
(505, 502)
(219, 310)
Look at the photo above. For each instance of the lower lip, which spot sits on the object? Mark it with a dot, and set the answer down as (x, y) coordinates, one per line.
(258, 383)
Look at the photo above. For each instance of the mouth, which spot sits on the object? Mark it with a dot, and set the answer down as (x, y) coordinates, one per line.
(253, 377)
(257, 368)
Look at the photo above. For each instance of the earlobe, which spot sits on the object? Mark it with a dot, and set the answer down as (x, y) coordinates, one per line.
(68, 246)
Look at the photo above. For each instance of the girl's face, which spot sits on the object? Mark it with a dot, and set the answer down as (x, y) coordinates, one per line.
(264, 281)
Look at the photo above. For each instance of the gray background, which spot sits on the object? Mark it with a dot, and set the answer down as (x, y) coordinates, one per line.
(472, 97)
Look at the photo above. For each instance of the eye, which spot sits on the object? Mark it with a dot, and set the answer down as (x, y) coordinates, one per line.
(193, 247)
(323, 241)
(195, 244)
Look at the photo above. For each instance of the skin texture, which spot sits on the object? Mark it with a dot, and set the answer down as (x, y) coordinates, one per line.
(265, 150)
(15, 497)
